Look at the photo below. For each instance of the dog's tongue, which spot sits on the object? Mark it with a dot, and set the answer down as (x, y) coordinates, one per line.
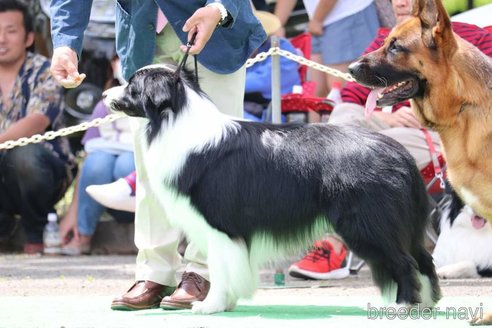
(371, 102)
(478, 222)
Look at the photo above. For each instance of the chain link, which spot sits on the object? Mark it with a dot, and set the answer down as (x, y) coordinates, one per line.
(50, 135)
(273, 51)
(301, 60)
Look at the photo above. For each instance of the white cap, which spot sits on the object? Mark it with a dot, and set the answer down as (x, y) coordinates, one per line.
(52, 217)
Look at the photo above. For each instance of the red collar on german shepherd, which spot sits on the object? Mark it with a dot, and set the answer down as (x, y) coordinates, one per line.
(450, 84)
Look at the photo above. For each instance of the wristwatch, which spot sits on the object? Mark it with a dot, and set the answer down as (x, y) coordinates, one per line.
(224, 14)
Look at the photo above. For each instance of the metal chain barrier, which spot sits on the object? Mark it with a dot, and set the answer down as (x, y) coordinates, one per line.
(50, 135)
(301, 60)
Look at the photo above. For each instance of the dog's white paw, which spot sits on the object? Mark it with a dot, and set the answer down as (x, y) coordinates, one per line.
(463, 269)
(231, 304)
(444, 273)
(207, 307)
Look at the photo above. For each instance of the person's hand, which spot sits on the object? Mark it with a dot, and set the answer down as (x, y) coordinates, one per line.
(64, 67)
(280, 32)
(403, 117)
(315, 27)
(68, 227)
(203, 22)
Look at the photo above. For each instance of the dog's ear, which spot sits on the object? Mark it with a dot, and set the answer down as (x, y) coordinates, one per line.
(157, 89)
(437, 30)
(164, 92)
(156, 95)
(426, 10)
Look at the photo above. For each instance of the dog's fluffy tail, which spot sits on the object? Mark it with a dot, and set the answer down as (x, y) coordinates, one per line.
(427, 293)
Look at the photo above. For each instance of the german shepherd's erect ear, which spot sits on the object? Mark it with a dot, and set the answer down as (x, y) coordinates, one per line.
(436, 25)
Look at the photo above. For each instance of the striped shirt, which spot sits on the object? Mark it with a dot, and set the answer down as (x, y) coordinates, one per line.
(35, 91)
(481, 38)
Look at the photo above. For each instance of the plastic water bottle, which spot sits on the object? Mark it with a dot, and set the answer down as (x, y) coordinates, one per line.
(51, 235)
(335, 92)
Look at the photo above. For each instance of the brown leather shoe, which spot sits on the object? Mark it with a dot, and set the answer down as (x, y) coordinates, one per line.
(142, 295)
(192, 288)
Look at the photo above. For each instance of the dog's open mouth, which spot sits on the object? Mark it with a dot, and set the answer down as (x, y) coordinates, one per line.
(397, 92)
(388, 96)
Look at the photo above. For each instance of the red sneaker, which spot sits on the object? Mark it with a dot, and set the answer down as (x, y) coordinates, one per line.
(321, 263)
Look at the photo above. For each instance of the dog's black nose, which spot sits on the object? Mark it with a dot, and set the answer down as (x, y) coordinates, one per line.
(353, 68)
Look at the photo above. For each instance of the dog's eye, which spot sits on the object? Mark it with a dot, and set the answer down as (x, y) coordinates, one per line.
(394, 47)
(133, 92)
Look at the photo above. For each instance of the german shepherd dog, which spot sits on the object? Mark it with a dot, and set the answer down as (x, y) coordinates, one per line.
(449, 82)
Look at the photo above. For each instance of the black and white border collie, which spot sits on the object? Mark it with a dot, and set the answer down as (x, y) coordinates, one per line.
(463, 248)
(247, 192)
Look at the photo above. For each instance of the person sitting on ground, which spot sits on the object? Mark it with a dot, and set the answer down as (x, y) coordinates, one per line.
(109, 151)
(33, 177)
(258, 90)
(398, 122)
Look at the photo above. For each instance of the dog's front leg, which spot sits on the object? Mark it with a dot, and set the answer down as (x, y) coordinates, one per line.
(231, 275)
(216, 301)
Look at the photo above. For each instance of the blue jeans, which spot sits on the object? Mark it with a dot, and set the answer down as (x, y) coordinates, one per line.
(32, 180)
(100, 168)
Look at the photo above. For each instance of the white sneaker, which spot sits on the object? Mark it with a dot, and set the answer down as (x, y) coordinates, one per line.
(116, 195)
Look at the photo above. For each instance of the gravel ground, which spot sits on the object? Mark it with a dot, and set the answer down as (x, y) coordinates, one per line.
(22, 275)
(75, 292)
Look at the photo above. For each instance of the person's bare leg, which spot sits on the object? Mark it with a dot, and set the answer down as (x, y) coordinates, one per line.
(318, 77)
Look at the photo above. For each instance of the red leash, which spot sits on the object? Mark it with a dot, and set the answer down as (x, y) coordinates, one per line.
(438, 171)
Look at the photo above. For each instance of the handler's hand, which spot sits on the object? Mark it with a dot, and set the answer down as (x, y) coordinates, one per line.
(64, 67)
(315, 27)
(204, 21)
(403, 117)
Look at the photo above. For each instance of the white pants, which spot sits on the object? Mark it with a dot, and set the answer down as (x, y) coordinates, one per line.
(157, 242)
(412, 139)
